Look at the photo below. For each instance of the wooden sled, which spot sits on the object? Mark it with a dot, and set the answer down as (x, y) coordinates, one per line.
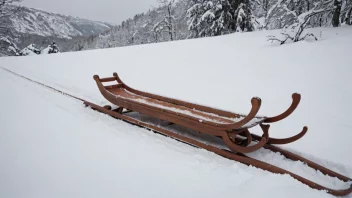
(200, 118)
(231, 127)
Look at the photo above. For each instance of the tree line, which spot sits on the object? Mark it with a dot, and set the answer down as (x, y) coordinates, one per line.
(184, 19)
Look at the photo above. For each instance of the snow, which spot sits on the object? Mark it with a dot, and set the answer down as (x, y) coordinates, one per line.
(12, 49)
(81, 153)
(210, 4)
(45, 50)
(144, 25)
(5, 39)
(29, 50)
(51, 146)
(207, 15)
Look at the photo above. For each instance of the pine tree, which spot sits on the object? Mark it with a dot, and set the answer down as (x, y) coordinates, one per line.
(245, 20)
(346, 12)
(53, 48)
(168, 22)
(8, 47)
(210, 18)
(337, 12)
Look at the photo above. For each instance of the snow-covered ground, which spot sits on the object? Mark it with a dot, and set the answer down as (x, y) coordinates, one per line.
(51, 146)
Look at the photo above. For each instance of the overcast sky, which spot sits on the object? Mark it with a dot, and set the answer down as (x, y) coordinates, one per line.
(113, 11)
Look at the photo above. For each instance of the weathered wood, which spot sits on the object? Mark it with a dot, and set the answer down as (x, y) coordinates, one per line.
(197, 117)
(108, 79)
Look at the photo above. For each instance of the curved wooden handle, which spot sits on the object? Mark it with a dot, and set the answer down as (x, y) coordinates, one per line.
(117, 78)
(256, 103)
(290, 139)
(296, 98)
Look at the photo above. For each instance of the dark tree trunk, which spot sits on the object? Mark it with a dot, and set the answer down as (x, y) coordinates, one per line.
(337, 12)
(308, 5)
(235, 3)
(170, 23)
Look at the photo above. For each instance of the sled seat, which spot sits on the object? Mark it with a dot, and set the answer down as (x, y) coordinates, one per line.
(179, 110)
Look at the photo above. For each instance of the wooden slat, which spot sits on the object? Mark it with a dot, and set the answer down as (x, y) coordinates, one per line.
(108, 79)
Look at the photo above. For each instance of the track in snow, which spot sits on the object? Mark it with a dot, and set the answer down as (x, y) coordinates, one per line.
(263, 154)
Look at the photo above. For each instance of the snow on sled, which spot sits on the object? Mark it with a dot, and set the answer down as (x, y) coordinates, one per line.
(232, 128)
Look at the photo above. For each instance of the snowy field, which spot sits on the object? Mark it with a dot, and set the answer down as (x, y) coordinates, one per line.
(51, 146)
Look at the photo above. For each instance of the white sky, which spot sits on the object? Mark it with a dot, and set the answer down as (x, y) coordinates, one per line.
(113, 11)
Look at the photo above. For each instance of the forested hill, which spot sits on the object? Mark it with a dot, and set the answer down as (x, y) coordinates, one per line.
(38, 22)
(183, 19)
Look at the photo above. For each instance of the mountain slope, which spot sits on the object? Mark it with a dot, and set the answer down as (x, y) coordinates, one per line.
(41, 23)
(31, 26)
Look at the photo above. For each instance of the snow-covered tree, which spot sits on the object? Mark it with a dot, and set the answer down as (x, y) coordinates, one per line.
(183, 19)
(30, 50)
(346, 12)
(167, 24)
(285, 12)
(210, 18)
(7, 41)
(51, 49)
(245, 20)
(8, 47)
(296, 31)
(181, 27)
(265, 5)
(280, 15)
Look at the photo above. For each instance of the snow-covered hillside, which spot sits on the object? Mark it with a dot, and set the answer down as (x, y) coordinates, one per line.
(52, 146)
(29, 26)
(41, 23)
